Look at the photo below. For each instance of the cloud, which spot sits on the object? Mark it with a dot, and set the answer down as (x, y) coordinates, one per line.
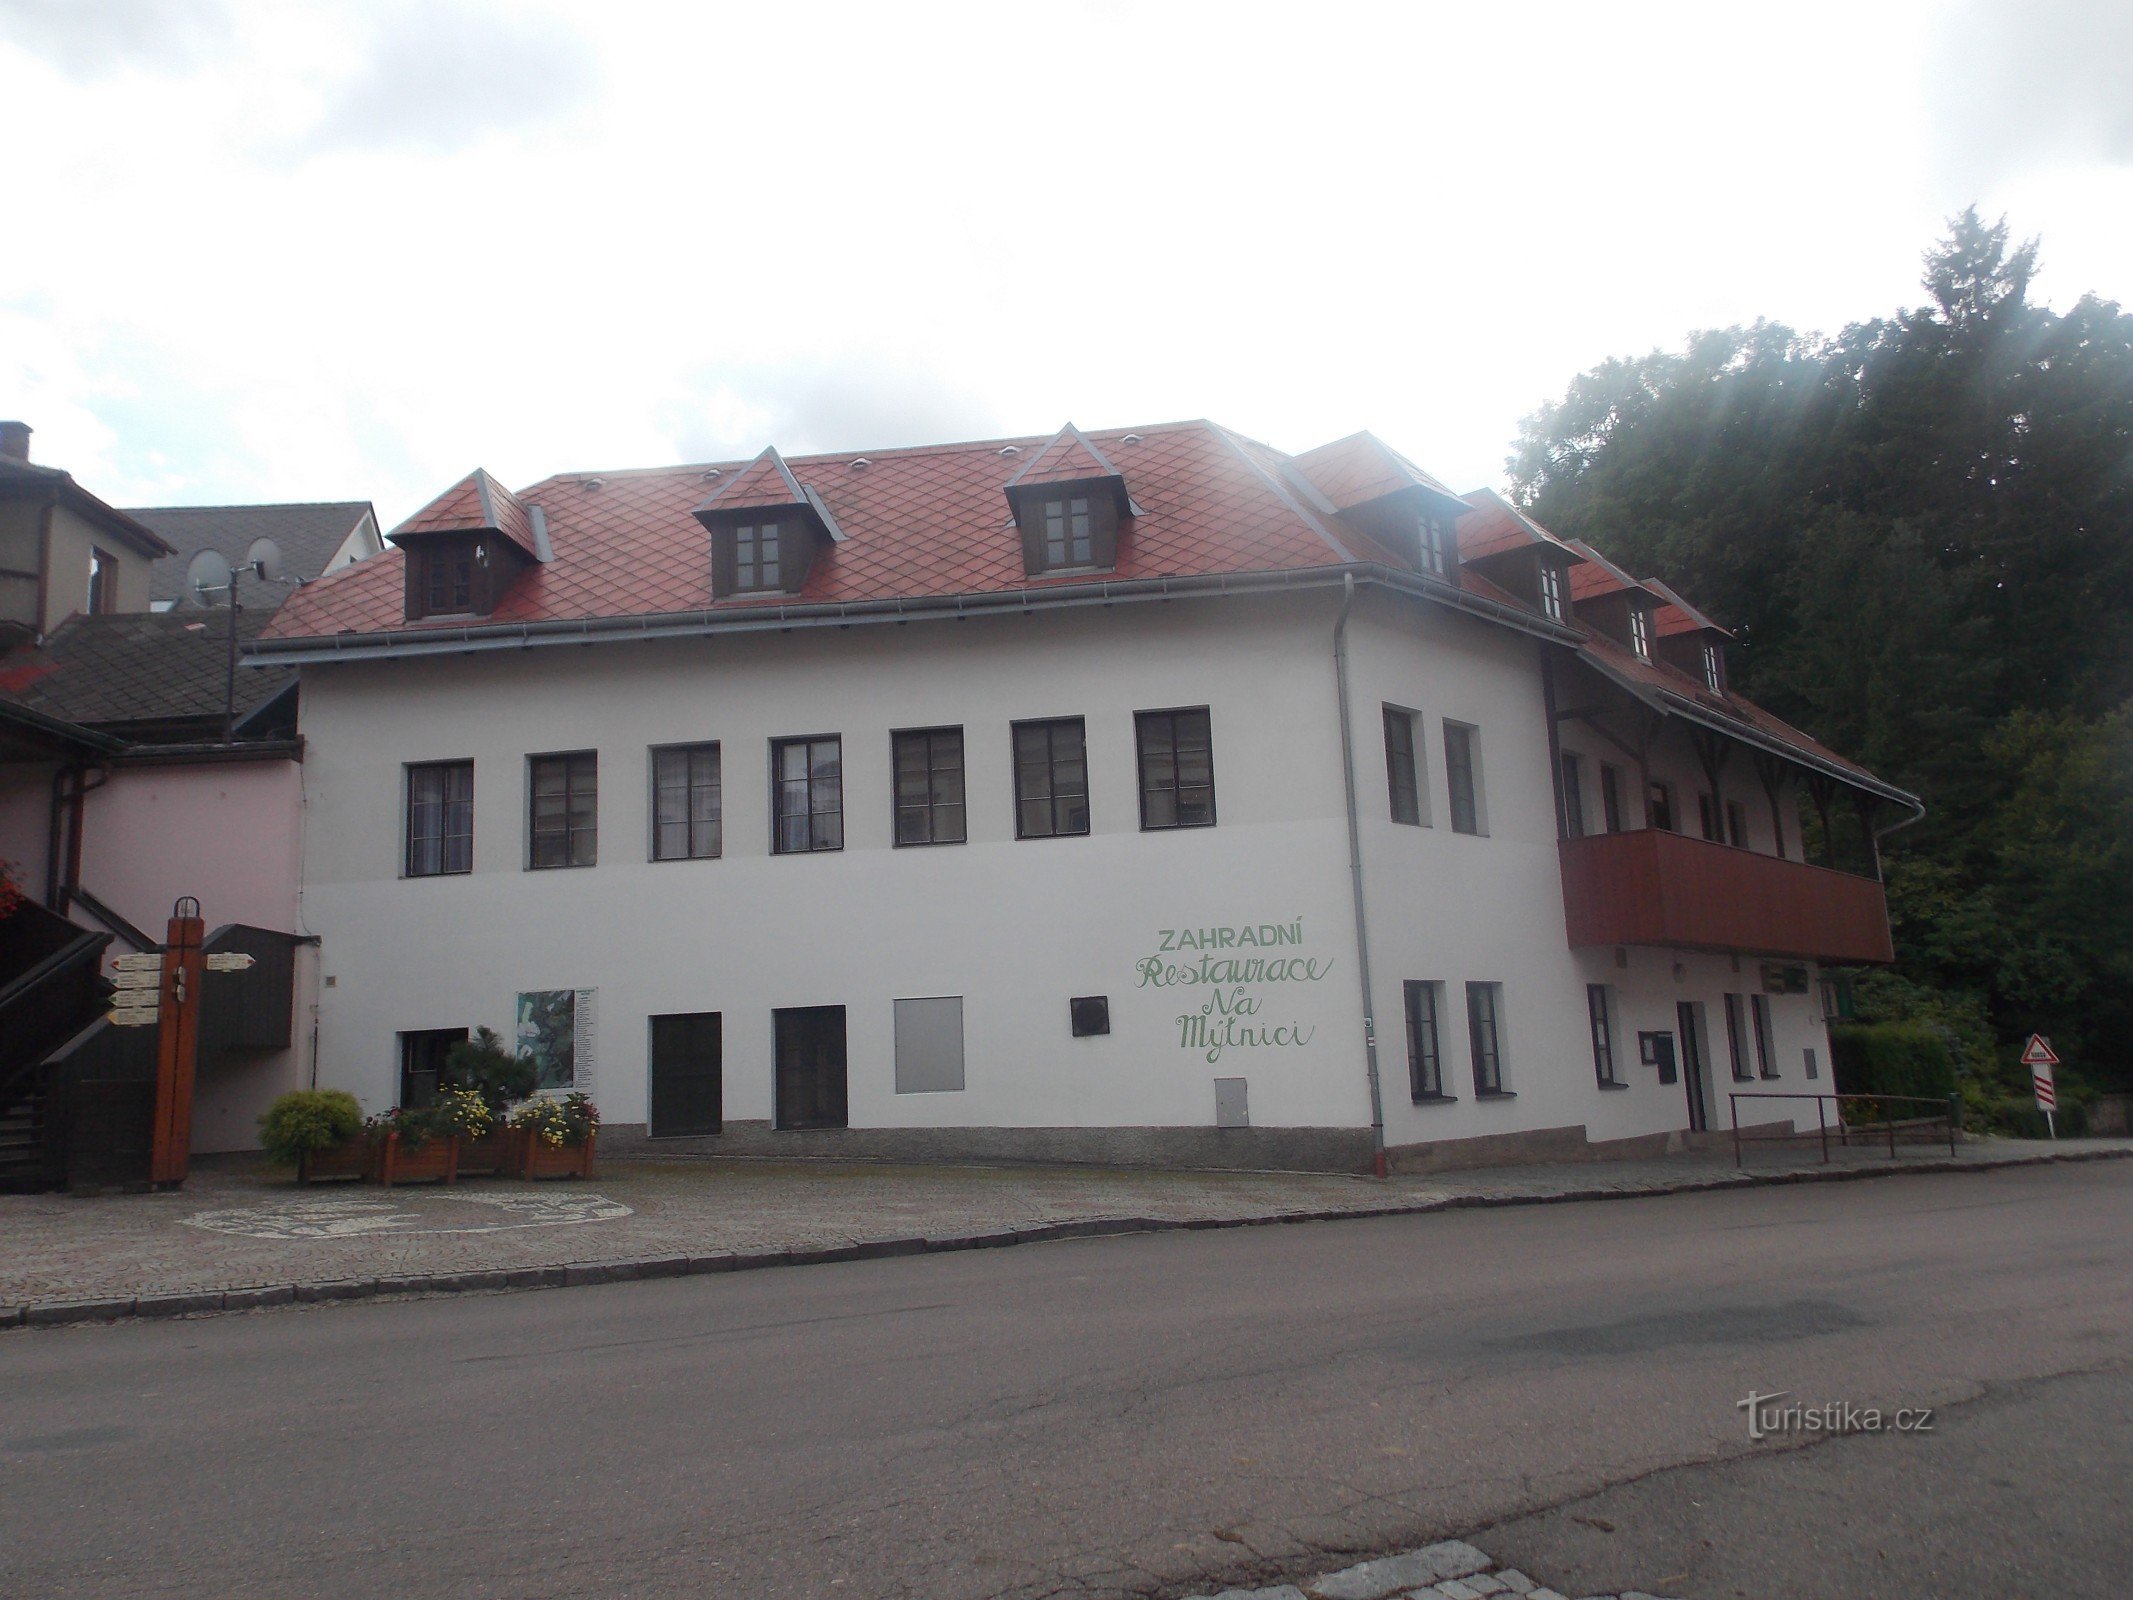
(805, 409)
(89, 41)
(440, 79)
(2017, 83)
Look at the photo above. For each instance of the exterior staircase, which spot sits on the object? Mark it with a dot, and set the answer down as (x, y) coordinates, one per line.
(51, 988)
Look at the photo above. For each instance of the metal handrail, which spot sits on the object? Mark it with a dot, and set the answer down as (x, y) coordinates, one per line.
(1948, 1111)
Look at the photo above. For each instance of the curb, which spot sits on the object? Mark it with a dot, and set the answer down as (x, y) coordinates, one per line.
(54, 1313)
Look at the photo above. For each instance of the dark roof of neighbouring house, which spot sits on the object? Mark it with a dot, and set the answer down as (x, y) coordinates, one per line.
(308, 533)
(134, 667)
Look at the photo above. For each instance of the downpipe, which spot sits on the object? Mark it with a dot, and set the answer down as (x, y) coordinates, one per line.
(1355, 878)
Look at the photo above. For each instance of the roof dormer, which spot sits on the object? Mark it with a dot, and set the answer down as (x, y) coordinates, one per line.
(1371, 487)
(465, 547)
(1068, 501)
(1518, 555)
(1610, 602)
(766, 527)
(1688, 640)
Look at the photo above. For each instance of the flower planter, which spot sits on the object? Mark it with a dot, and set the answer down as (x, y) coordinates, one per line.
(352, 1158)
(537, 1158)
(436, 1161)
(490, 1156)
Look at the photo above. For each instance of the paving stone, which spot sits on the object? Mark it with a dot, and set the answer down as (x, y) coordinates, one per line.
(1286, 1591)
(1481, 1583)
(1374, 1580)
(1545, 1594)
(1517, 1582)
(1453, 1589)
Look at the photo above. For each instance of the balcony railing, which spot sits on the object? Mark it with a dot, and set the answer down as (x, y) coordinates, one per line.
(1651, 887)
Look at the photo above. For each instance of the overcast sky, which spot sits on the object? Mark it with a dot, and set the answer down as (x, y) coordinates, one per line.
(323, 251)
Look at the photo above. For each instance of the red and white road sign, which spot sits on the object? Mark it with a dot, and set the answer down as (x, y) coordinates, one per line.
(2038, 1057)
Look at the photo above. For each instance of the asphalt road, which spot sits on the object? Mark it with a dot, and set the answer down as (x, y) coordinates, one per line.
(1136, 1416)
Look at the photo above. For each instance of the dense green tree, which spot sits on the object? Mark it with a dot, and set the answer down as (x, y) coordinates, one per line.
(1922, 531)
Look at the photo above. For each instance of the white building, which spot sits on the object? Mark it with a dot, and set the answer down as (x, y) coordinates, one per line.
(1147, 795)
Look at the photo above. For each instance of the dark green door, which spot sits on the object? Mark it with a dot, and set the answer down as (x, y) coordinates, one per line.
(688, 1095)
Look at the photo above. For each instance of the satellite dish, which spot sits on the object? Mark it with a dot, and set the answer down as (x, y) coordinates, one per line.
(207, 574)
(264, 558)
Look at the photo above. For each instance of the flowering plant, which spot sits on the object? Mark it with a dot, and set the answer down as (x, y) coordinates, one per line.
(10, 888)
(415, 1126)
(570, 1120)
(464, 1112)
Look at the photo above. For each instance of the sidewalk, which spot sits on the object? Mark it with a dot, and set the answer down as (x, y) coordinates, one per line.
(236, 1237)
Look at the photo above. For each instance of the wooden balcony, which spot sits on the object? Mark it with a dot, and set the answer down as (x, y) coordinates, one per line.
(1650, 887)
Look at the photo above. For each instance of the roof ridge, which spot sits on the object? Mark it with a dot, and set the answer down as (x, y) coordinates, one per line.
(246, 505)
(1309, 518)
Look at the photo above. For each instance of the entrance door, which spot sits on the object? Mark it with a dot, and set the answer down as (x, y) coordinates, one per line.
(687, 1084)
(810, 1050)
(422, 1056)
(1690, 1015)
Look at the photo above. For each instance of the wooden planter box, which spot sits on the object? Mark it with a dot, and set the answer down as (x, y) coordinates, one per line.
(490, 1156)
(436, 1161)
(539, 1159)
(354, 1159)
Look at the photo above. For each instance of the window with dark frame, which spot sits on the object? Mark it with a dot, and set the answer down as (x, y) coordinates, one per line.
(1640, 632)
(563, 801)
(807, 794)
(687, 1072)
(1573, 795)
(422, 1058)
(1736, 825)
(1459, 777)
(687, 809)
(1177, 762)
(440, 818)
(1551, 590)
(1659, 806)
(1714, 667)
(1425, 1053)
(1736, 1040)
(757, 562)
(1611, 797)
(929, 785)
(1599, 1011)
(1765, 1046)
(103, 582)
(1484, 1004)
(1401, 777)
(1069, 533)
(1051, 778)
(809, 1046)
(448, 577)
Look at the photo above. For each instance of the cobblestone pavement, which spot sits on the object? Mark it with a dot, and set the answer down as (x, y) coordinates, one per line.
(237, 1235)
(1453, 1570)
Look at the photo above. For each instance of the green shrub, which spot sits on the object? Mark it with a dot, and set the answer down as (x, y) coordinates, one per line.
(482, 1064)
(2023, 1120)
(1907, 1058)
(305, 1120)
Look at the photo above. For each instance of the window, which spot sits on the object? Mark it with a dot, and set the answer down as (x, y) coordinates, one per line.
(1714, 667)
(1737, 1040)
(756, 563)
(1069, 533)
(1051, 778)
(806, 794)
(1089, 1015)
(447, 577)
(1400, 774)
(440, 818)
(1484, 1003)
(1611, 797)
(1707, 817)
(1435, 539)
(1177, 769)
(929, 1045)
(687, 1075)
(1425, 1054)
(1551, 591)
(1765, 1046)
(1808, 1056)
(1736, 824)
(1573, 795)
(422, 1058)
(565, 808)
(685, 802)
(1659, 805)
(810, 1067)
(1459, 777)
(103, 582)
(1603, 1035)
(929, 785)
(1640, 632)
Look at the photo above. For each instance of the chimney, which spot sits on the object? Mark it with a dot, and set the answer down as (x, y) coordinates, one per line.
(15, 440)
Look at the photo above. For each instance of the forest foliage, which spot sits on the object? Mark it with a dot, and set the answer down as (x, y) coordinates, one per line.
(1921, 531)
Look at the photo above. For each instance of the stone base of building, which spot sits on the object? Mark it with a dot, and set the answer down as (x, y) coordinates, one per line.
(1539, 1145)
(1254, 1149)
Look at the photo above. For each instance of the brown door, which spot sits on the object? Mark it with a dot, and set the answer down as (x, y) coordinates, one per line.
(1690, 1015)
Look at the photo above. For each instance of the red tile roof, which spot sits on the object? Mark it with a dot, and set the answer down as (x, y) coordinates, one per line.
(476, 503)
(765, 481)
(1361, 468)
(1597, 575)
(1067, 457)
(1678, 616)
(1495, 525)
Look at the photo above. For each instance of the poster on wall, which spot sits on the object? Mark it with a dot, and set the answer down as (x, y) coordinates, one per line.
(555, 1028)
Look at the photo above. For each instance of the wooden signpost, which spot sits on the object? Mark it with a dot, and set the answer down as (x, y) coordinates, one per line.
(178, 1043)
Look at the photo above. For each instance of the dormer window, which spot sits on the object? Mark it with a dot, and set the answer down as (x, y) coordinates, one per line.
(1714, 667)
(448, 578)
(1437, 544)
(755, 557)
(1069, 538)
(1551, 591)
(1640, 632)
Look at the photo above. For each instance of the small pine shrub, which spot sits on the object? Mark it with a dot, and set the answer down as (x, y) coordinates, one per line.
(305, 1120)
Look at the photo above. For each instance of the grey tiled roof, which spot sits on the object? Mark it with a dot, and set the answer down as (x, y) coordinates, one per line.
(139, 666)
(307, 533)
